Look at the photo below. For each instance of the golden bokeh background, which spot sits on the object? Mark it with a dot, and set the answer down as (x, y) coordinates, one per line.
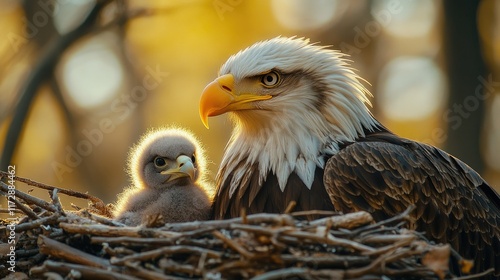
(148, 70)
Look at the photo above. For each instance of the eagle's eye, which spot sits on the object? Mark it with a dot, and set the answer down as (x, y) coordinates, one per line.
(270, 79)
(160, 162)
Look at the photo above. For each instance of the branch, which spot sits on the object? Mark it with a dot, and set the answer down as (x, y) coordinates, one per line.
(103, 230)
(86, 271)
(60, 250)
(98, 203)
(170, 250)
(262, 218)
(347, 221)
(29, 198)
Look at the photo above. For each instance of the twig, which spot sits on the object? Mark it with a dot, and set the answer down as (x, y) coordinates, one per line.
(391, 247)
(290, 207)
(331, 240)
(387, 238)
(98, 203)
(20, 208)
(99, 219)
(242, 266)
(52, 219)
(477, 275)
(328, 260)
(137, 270)
(283, 273)
(402, 216)
(7, 211)
(86, 271)
(59, 250)
(23, 253)
(347, 221)
(314, 213)
(233, 245)
(56, 202)
(261, 230)
(30, 199)
(301, 273)
(264, 218)
(165, 251)
(103, 230)
(170, 265)
(132, 240)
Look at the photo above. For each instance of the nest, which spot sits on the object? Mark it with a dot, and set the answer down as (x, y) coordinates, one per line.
(51, 242)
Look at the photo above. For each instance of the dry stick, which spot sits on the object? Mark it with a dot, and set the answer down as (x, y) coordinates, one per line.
(265, 218)
(172, 266)
(387, 238)
(21, 207)
(152, 241)
(165, 251)
(52, 219)
(86, 271)
(261, 230)
(375, 266)
(56, 202)
(50, 188)
(327, 260)
(30, 199)
(100, 219)
(233, 245)
(331, 240)
(238, 265)
(390, 247)
(314, 213)
(273, 233)
(23, 253)
(116, 251)
(477, 275)
(401, 254)
(136, 270)
(402, 216)
(290, 207)
(304, 272)
(132, 240)
(7, 211)
(27, 263)
(103, 230)
(284, 273)
(60, 250)
(98, 203)
(347, 221)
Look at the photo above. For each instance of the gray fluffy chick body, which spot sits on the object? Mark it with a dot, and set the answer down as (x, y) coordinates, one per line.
(167, 173)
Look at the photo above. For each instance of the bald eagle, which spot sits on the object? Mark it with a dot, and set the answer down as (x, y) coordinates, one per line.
(303, 132)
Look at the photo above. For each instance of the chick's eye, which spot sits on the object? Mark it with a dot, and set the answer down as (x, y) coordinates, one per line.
(193, 159)
(270, 79)
(160, 162)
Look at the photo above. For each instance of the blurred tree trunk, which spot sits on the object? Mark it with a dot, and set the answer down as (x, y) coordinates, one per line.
(465, 64)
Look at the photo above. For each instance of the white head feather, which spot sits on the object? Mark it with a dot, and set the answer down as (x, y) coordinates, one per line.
(297, 128)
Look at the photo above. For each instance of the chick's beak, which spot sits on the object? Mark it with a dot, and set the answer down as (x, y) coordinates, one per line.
(220, 97)
(185, 168)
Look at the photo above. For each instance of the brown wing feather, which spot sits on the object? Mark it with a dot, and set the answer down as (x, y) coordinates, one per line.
(384, 174)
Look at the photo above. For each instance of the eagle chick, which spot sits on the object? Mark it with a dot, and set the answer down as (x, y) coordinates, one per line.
(167, 173)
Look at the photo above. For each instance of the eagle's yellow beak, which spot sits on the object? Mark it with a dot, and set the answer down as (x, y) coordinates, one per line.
(220, 97)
